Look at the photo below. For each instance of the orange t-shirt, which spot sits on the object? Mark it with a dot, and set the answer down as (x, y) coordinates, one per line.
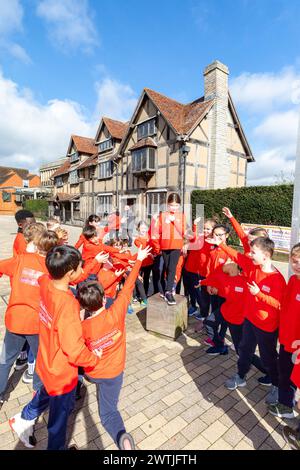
(20, 244)
(263, 309)
(106, 331)
(168, 234)
(21, 316)
(109, 281)
(61, 345)
(241, 234)
(216, 258)
(198, 256)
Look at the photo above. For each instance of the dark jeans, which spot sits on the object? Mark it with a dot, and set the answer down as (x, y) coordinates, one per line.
(12, 346)
(60, 407)
(108, 392)
(267, 342)
(198, 295)
(286, 389)
(170, 258)
(158, 275)
(146, 271)
(139, 290)
(216, 327)
(236, 332)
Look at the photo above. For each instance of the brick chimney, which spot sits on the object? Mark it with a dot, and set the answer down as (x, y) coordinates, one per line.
(216, 87)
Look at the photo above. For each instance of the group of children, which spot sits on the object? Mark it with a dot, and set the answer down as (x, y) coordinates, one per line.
(56, 289)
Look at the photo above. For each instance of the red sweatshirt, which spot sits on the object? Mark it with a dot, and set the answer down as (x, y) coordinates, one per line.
(61, 345)
(289, 327)
(20, 244)
(263, 309)
(21, 316)
(109, 281)
(168, 234)
(143, 242)
(216, 258)
(106, 331)
(198, 257)
(241, 234)
(234, 289)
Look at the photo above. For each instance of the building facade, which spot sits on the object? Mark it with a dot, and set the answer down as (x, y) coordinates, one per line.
(15, 184)
(47, 170)
(166, 146)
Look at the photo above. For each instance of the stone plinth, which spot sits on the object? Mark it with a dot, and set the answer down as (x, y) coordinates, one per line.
(164, 319)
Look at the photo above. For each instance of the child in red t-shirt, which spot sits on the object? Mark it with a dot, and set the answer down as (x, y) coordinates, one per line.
(289, 336)
(104, 331)
(195, 269)
(266, 287)
(142, 284)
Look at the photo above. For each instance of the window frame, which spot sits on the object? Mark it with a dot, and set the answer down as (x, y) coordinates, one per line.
(105, 174)
(147, 125)
(140, 160)
(101, 150)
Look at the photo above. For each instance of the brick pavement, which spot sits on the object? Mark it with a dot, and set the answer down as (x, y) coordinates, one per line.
(173, 395)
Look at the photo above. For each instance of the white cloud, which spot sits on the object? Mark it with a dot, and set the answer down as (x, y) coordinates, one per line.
(264, 92)
(70, 24)
(11, 17)
(32, 133)
(268, 102)
(115, 99)
(11, 23)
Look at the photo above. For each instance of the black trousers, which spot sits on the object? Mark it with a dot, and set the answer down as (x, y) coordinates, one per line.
(287, 389)
(158, 275)
(236, 332)
(266, 342)
(146, 271)
(170, 258)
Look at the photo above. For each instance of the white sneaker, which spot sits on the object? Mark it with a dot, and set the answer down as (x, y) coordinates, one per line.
(24, 429)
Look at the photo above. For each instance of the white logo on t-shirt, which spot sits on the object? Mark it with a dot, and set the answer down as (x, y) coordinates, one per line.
(266, 289)
(298, 297)
(239, 289)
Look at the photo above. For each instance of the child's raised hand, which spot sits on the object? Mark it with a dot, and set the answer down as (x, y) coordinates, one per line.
(102, 257)
(119, 272)
(212, 290)
(253, 288)
(226, 211)
(142, 254)
(213, 241)
(197, 220)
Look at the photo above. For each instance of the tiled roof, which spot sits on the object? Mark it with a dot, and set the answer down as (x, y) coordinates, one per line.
(7, 172)
(65, 197)
(117, 129)
(84, 144)
(182, 117)
(147, 142)
(91, 161)
(63, 169)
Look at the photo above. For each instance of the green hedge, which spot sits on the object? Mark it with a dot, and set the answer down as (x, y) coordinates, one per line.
(38, 206)
(259, 205)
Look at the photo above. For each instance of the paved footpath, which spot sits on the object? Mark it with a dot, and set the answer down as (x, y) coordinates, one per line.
(173, 395)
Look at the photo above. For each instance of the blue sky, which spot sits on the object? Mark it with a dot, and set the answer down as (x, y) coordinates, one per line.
(64, 63)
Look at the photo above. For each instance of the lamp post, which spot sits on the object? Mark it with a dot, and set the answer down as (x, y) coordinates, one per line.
(117, 182)
(184, 150)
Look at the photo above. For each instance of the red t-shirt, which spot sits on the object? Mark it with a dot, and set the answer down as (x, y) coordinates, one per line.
(168, 234)
(21, 316)
(198, 257)
(234, 289)
(143, 242)
(289, 326)
(216, 258)
(61, 345)
(263, 309)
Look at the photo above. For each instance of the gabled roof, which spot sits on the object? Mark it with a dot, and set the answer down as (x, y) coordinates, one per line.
(240, 129)
(8, 172)
(84, 145)
(91, 161)
(62, 170)
(182, 117)
(117, 129)
(147, 142)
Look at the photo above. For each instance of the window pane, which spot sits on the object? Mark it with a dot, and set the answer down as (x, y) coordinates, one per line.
(151, 159)
(144, 159)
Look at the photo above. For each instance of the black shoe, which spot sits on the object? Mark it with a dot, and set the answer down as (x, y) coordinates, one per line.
(79, 389)
(1, 401)
(169, 297)
(21, 363)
